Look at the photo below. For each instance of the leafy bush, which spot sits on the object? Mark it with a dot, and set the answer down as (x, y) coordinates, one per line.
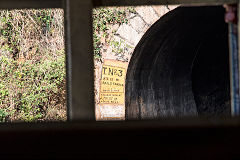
(32, 65)
(3, 115)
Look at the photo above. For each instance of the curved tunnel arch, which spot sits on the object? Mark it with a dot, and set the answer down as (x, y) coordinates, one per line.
(180, 66)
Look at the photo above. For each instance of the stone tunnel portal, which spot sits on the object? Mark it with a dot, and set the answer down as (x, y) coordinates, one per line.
(180, 67)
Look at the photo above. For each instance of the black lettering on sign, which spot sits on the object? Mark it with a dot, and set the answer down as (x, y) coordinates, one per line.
(111, 71)
(121, 71)
(104, 69)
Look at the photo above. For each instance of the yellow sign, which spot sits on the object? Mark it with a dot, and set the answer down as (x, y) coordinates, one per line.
(112, 85)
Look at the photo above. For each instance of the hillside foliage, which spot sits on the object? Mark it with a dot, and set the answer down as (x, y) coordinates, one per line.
(32, 65)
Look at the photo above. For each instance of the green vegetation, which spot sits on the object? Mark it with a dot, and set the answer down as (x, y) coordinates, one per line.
(103, 19)
(32, 65)
(118, 47)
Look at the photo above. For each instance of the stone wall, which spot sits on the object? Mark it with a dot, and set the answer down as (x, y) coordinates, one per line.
(127, 37)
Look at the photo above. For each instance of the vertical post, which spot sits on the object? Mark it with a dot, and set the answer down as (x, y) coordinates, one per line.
(234, 67)
(237, 107)
(79, 60)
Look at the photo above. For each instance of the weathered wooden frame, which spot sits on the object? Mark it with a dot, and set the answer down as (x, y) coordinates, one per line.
(79, 48)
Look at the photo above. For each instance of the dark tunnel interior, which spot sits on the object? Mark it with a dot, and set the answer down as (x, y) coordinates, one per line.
(180, 67)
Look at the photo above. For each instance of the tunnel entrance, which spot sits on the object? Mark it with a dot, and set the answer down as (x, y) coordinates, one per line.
(180, 67)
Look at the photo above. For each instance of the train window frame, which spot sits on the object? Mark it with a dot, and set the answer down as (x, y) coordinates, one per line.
(79, 61)
(81, 136)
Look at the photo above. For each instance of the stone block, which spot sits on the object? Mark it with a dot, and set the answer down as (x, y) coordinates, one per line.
(138, 24)
(148, 14)
(129, 34)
